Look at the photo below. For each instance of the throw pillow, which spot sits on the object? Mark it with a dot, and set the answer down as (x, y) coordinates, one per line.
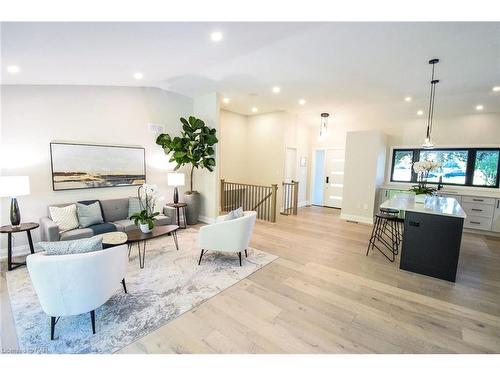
(234, 214)
(89, 214)
(85, 245)
(134, 206)
(64, 217)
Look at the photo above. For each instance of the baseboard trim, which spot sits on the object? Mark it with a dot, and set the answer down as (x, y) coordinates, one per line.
(206, 219)
(358, 219)
(304, 204)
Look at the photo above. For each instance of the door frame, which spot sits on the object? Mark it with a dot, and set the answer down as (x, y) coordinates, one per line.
(313, 166)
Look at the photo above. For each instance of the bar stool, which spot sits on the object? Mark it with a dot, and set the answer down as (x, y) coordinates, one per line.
(400, 223)
(386, 232)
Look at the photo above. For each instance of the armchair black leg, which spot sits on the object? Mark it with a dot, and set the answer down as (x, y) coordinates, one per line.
(239, 256)
(124, 286)
(52, 327)
(246, 254)
(92, 318)
(201, 256)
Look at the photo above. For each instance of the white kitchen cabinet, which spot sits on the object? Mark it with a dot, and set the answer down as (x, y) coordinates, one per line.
(496, 217)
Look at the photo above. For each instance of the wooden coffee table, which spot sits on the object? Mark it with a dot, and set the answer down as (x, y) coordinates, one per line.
(137, 237)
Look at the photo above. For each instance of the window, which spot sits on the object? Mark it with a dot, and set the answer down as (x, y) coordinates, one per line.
(486, 168)
(465, 166)
(453, 165)
(401, 165)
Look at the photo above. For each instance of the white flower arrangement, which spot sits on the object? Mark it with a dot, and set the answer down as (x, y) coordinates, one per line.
(422, 169)
(425, 166)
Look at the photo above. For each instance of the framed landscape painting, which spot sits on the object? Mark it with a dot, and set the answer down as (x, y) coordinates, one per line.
(85, 166)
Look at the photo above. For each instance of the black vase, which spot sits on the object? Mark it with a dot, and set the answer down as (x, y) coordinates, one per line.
(15, 215)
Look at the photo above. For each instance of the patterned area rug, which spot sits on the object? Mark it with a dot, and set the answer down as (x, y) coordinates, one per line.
(170, 284)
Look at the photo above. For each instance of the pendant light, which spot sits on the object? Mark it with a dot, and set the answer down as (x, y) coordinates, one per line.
(323, 127)
(428, 142)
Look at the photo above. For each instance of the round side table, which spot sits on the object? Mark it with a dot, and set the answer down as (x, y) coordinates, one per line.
(178, 207)
(9, 229)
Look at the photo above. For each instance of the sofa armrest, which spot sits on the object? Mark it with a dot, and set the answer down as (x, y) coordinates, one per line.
(49, 230)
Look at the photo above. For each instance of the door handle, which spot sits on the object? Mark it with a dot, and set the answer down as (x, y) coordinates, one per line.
(327, 179)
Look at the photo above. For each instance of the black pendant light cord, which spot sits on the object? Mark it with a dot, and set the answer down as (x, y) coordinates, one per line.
(431, 99)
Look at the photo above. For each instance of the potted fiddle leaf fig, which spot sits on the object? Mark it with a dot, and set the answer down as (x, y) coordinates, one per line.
(194, 147)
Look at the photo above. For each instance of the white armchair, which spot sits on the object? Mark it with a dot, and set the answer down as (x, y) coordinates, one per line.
(227, 236)
(77, 283)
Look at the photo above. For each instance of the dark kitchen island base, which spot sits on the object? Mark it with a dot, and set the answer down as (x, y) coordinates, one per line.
(431, 244)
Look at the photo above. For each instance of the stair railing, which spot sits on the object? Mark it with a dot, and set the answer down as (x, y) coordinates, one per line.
(258, 198)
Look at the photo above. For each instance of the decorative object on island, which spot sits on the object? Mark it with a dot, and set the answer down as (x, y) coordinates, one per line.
(85, 166)
(13, 187)
(422, 169)
(148, 196)
(428, 142)
(323, 126)
(176, 179)
(195, 146)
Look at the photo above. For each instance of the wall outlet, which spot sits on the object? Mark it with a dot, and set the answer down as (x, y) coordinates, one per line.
(156, 128)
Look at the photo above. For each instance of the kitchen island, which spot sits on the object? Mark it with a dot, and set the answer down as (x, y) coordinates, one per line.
(432, 235)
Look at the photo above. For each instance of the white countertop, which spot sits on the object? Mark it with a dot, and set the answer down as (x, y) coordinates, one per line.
(451, 190)
(433, 205)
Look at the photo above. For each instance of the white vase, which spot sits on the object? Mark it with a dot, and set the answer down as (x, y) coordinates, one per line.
(420, 198)
(145, 228)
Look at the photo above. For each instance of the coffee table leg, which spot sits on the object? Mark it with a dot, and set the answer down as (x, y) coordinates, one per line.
(174, 234)
(30, 240)
(9, 251)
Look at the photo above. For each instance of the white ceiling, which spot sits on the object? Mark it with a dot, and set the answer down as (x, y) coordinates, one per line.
(336, 67)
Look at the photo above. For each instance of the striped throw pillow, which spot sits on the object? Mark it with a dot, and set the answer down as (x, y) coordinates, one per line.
(64, 217)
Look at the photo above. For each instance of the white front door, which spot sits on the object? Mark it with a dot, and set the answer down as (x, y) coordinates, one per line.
(334, 178)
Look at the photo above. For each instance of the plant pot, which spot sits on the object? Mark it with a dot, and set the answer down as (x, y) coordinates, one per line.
(193, 201)
(420, 198)
(145, 228)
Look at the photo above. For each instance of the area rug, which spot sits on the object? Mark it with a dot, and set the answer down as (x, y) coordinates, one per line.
(170, 284)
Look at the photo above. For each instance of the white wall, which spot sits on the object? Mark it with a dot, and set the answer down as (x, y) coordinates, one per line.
(363, 174)
(253, 149)
(33, 116)
(207, 108)
(233, 147)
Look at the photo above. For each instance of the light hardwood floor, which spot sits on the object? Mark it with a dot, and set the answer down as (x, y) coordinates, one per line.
(323, 295)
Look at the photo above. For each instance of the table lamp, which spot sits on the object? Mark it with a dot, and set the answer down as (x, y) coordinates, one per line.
(176, 179)
(13, 187)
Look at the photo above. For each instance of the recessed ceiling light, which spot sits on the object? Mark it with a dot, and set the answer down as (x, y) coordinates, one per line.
(276, 89)
(479, 107)
(138, 75)
(226, 100)
(408, 99)
(302, 101)
(13, 69)
(216, 36)
(420, 112)
(254, 109)
(496, 88)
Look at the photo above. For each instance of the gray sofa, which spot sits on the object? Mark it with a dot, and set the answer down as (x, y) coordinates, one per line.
(115, 215)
